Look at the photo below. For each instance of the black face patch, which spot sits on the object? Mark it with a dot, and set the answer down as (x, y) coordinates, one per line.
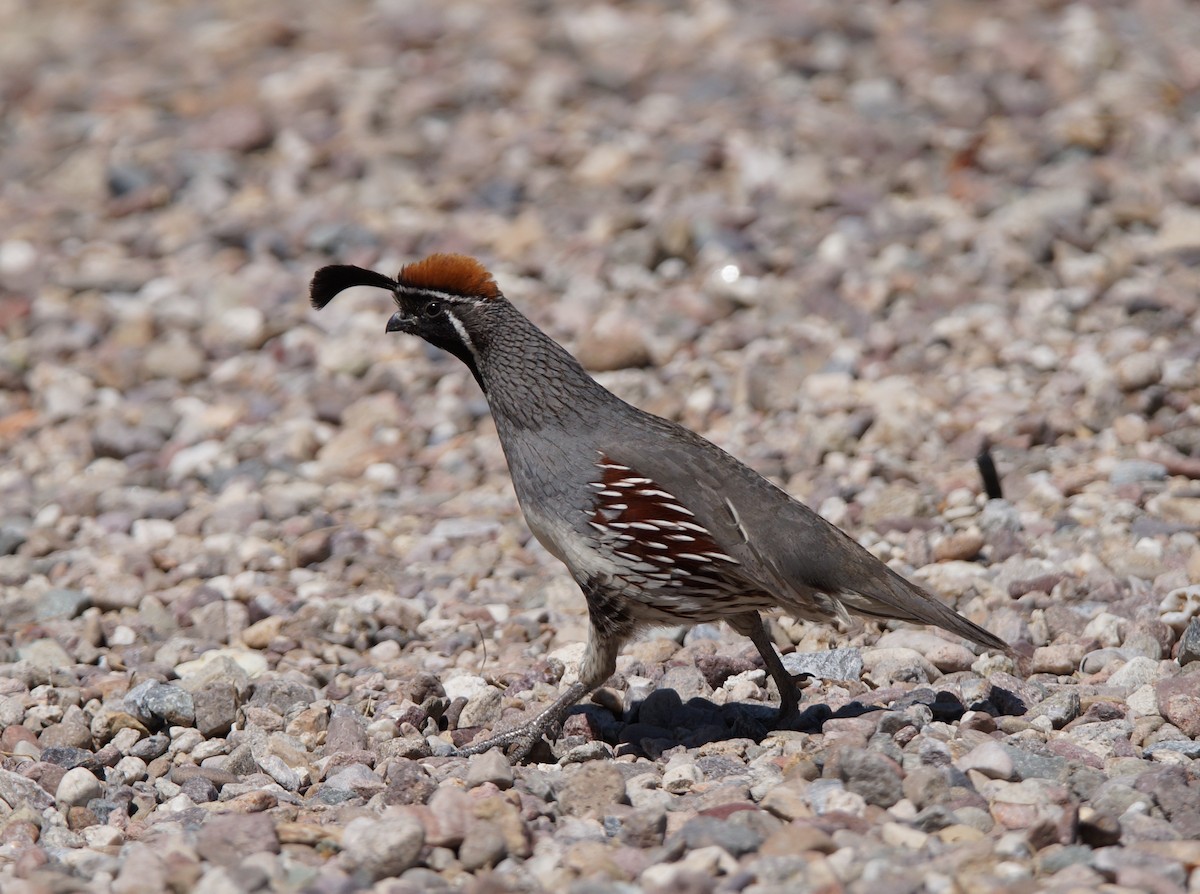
(435, 319)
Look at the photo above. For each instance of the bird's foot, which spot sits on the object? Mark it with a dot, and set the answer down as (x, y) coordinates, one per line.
(520, 741)
(517, 743)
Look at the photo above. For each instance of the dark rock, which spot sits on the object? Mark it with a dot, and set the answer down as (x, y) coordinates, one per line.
(114, 438)
(215, 708)
(1179, 701)
(199, 789)
(719, 668)
(241, 762)
(313, 547)
(735, 839)
(68, 758)
(644, 828)
(284, 697)
(408, 782)
(1189, 643)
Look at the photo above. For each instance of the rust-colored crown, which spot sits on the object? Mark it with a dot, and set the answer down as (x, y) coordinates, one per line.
(454, 274)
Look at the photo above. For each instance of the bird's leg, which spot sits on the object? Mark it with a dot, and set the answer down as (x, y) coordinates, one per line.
(751, 624)
(599, 662)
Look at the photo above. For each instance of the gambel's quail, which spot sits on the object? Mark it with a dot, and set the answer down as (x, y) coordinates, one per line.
(657, 525)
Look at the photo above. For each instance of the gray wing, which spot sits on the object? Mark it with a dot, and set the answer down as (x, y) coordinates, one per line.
(813, 568)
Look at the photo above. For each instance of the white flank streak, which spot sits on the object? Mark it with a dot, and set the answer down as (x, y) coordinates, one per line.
(615, 466)
(681, 538)
(721, 557)
(611, 493)
(674, 507)
(693, 557)
(616, 507)
(644, 526)
(651, 492)
(691, 526)
(737, 520)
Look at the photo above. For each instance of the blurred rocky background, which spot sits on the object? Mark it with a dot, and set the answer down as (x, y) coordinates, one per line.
(259, 569)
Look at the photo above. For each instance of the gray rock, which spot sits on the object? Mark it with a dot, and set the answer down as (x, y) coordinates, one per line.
(13, 533)
(17, 790)
(871, 775)
(483, 846)
(990, 759)
(1029, 765)
(199, 789)
(1131, 471)
(1186, 747)
(491, 766)
(161, 703)
(591, 789)
(1098, 659)
(151, 747)
(356, 778)
(62, 603)
(383, 846)
(285, 697)
(1057, 857)
(346, 732)
(833, 664)
(45, 654)
(1135, 672)
(481, 709)
(226, 838)
(1060, 708)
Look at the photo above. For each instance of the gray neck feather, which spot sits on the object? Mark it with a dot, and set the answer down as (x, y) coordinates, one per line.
(530, 380)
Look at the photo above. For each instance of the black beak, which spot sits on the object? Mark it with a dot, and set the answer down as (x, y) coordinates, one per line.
(397, 322)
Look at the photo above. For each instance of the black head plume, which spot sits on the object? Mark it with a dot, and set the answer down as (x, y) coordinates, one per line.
(328, 281)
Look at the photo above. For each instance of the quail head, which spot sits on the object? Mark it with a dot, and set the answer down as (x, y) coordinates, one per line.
(657, 525)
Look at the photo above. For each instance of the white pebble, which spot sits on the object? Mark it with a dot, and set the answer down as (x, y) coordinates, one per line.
(16, 257)
(76, 788)
(681, 778)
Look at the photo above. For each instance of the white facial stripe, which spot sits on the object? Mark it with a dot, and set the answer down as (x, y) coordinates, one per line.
(462, 333)
(434, 293)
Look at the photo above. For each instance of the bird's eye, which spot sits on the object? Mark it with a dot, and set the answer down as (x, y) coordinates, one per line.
(432, 308)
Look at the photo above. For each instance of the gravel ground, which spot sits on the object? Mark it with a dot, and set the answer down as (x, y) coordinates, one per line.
(260, 569)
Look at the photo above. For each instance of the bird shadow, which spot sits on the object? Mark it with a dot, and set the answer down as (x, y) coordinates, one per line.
(663, 720)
